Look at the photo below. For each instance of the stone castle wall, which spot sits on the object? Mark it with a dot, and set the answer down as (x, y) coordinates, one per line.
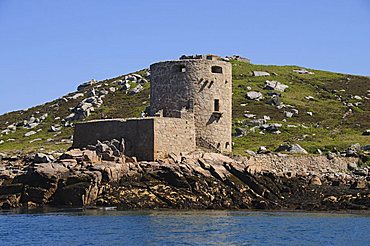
(173, 135)
(196, 85)
(146, 139)
(138, 135)
(299, 164)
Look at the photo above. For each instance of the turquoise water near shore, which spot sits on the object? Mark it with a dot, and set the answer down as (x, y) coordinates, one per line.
(97, 227)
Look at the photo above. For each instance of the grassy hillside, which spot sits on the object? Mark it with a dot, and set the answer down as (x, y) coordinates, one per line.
(330, 126)
(326, 129)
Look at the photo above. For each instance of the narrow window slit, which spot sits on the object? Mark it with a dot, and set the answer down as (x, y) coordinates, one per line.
(210, 84)
(217, 105)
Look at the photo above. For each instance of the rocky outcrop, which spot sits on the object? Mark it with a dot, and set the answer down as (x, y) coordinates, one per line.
(86, 84)
(302, 71)
(275, 85)
(291, 148)
(254, 95)
(260, 73)
(197, 180)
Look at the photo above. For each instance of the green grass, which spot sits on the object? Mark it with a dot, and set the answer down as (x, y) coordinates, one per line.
(326, 129)
(332, 130)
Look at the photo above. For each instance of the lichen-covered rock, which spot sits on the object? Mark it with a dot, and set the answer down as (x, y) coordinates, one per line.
(254, 95)
(136, 90)
(291, 148)
(43, 158)
(275, 85)
(315, 180)
(260, 73)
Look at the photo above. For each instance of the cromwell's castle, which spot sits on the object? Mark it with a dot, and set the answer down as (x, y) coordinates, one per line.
(190, 108)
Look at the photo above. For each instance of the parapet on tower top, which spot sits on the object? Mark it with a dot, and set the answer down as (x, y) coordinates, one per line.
(212, 57)
(201, 57)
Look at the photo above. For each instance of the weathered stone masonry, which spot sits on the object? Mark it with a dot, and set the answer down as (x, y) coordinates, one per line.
(193, 99)
(200, 86)
(146, 139)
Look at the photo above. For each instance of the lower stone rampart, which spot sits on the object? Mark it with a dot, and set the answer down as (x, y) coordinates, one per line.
(298, 164)
(146, 138)
(173, 135)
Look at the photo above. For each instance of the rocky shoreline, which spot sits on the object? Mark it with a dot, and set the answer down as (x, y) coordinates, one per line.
(102, 176)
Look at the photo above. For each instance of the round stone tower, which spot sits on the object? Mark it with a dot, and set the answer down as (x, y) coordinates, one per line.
(202, 86)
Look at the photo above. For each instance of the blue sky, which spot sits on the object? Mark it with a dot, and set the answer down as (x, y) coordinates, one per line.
(48, 47)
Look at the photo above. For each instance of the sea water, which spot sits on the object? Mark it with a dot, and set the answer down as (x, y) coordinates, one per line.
(171, 227)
